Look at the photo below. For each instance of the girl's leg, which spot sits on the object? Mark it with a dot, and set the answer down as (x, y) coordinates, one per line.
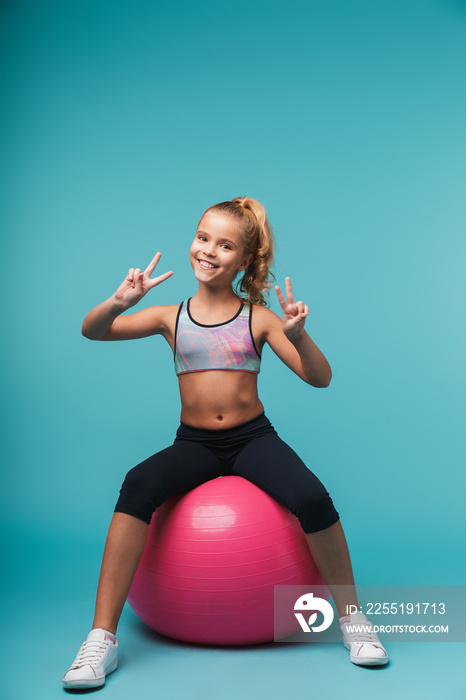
(168, 473)
(272, 465)
(330, 552)
(123, 549)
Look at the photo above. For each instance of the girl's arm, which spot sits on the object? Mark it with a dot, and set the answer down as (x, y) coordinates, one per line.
(104, 322)
(291, 343)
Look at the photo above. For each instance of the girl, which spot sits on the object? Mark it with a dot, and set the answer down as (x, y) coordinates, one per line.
(217, 338)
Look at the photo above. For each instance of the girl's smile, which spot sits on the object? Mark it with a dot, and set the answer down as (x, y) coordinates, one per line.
(206, 265)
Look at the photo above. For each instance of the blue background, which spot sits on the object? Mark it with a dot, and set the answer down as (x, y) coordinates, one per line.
(121, 123)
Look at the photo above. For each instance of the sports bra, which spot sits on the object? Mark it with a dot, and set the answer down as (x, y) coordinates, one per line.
(228, 345)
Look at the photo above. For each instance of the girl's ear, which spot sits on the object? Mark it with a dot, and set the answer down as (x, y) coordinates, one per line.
(246, 262)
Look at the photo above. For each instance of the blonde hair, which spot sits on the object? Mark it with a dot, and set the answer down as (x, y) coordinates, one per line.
(258, 240)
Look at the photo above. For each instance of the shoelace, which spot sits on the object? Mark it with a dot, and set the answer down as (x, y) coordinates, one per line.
(368, 637)
(90, 653)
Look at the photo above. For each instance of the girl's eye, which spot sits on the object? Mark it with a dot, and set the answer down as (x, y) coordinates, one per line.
(225, 245)
(202, 238)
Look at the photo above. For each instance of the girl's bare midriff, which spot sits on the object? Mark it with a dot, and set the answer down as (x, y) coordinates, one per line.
(218, 399)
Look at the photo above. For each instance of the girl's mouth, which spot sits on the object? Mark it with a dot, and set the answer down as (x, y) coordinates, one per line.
(206, 265)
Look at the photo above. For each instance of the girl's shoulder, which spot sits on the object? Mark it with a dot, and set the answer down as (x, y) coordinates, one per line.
(262, 312)
(263, 319)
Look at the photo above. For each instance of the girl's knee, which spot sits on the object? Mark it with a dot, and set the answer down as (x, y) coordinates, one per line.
(316, 511)
(139, 494)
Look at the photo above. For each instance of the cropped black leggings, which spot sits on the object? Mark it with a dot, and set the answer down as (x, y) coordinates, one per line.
(252, 450)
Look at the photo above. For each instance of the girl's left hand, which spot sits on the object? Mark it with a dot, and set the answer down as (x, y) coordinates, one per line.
(294, 313)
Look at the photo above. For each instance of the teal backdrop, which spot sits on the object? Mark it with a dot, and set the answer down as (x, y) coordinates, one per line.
(121, 122)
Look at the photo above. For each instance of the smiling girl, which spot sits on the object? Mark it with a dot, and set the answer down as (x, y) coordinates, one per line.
(217, 337)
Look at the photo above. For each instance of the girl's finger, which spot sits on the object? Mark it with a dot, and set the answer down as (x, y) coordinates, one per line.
(130, 274)
(289, 291)
(161, 278)
(151, 266)
(281, 298)
(306, 309)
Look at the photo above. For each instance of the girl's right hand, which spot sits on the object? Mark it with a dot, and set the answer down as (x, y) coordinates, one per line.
(136, 283)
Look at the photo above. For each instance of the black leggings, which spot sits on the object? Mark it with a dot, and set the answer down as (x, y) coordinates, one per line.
(252, 450)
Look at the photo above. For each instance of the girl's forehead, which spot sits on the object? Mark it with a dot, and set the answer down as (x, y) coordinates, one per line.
(220, 225)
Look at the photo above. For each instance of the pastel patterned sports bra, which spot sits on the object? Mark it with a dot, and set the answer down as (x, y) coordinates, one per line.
(227, 345)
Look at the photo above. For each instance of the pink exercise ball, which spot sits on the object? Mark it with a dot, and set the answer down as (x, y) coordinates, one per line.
(212, 558)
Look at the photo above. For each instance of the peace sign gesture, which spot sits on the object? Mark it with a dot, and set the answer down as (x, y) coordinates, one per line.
(294, 313)
(137, 283)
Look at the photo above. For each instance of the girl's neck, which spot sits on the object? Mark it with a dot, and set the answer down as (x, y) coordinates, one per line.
(211, 296)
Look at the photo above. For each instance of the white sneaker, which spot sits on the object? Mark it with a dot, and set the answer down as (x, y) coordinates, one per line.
(362, 642)
(96, 658)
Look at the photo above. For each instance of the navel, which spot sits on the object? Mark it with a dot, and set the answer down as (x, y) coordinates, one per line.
(219, 417)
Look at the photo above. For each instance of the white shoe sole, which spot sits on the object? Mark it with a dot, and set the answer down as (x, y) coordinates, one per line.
(366, 661)
(91, 682)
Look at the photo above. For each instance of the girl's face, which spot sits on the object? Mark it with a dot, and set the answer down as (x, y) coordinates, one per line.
(217, 251)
